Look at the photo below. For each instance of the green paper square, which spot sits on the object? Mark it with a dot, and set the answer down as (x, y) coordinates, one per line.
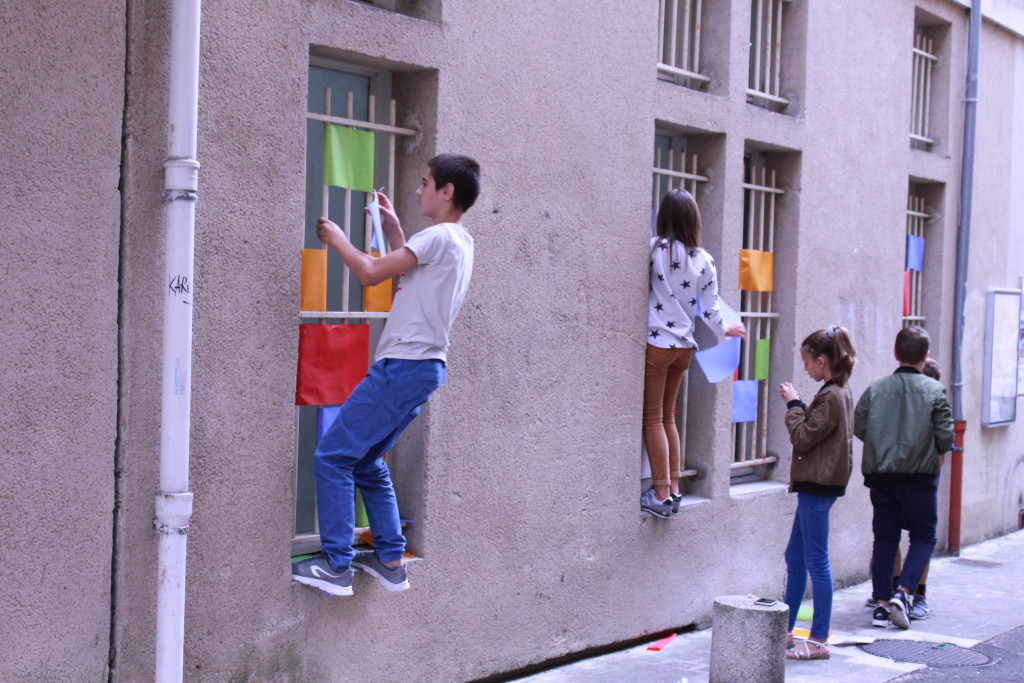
(348, 158)
(761, 358)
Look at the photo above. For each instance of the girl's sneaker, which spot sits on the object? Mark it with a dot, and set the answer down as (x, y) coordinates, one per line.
(676, 499)
(650, 505)
(880, 617)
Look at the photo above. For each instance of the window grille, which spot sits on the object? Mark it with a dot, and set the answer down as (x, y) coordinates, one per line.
(360, 112)
(679, 24)
(670, 172)
(764, 84)
(916, 216)
(920, 106)
(760, 192)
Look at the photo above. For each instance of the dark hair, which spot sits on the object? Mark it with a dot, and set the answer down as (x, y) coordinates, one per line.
(931, 369)
(462, 172)
(834, 343)
(912, 344)
(679, 219)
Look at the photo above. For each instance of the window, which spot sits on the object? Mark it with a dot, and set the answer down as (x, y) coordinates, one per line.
(421, 9)
(675, 168)
(925, 228)
(929, 89)
(346, 97)
(920, 107)
(760, 194)
(679, 27)
(914, 265)
(764, 86)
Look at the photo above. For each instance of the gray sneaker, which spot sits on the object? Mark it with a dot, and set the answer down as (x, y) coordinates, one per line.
(317, 572)
(394, 579)
(920, 610)
(899, 610)
(650, 505)
(677, 498)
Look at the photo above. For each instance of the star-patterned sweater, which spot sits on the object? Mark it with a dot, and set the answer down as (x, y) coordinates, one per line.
(680, 278)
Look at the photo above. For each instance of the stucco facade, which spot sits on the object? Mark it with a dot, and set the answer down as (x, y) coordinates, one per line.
(522, 474)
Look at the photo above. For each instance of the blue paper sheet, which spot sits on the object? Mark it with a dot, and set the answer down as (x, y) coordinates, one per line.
(915, 253)
(744, 400)
(720, 362)
(729, 316)
(325, 417)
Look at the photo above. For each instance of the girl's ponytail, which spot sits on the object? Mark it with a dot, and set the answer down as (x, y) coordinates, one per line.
(834, 343)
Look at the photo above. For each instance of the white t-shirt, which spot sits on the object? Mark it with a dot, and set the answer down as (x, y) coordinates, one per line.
(680, 279)
(429, 295)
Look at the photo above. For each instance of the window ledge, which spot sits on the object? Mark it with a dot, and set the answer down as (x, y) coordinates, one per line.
(757, 488)
(689, 500)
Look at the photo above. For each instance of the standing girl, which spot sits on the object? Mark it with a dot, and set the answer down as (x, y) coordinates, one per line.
(822, 438)
(681, 275)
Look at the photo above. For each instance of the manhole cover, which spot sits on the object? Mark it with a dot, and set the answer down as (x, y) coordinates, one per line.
(933, 654)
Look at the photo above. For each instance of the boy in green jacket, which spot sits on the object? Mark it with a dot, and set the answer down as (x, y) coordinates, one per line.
(905, 423)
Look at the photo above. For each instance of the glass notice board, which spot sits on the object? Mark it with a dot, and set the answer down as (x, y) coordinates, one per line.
(1002, 341)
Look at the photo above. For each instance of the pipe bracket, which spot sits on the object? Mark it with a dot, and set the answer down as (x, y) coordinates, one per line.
(180, 196)
(173, 512)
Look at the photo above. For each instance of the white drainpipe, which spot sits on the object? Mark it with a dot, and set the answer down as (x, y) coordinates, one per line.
(181, 182)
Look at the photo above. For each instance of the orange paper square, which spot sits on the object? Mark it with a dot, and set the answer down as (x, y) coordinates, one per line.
(377, 297)
(314, 280)
(757, 270)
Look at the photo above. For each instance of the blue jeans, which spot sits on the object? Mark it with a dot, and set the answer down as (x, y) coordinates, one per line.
(807, 553)
(350, 455)
(902, 502)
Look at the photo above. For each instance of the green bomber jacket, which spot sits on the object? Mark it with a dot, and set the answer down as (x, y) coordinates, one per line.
(905, 423)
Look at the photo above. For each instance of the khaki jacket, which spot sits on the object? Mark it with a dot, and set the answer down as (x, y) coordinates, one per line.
(822, 438)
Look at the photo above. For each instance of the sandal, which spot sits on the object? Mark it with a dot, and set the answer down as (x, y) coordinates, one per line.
(809, 649)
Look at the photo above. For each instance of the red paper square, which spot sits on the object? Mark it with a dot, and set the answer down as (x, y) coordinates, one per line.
(906, 292)
(333, 359)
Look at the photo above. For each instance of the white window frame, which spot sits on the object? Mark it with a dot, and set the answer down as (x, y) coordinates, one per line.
(679, 33)
(924, 61)
(764, 85)
(917, 216)
(760, 192)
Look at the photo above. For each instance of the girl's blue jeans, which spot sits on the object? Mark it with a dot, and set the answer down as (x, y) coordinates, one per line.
(807, 553)
(350, 455)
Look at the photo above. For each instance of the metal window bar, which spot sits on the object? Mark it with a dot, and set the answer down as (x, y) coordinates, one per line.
(916, 217)
(764, 86)
(392, 131)
(669, 174)
(750, 439)
(924, 61)
(310, 542)
(679, 26)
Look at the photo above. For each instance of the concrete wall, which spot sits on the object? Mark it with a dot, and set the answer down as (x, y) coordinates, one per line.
(993, 495)
(61, 94)
(523, 472)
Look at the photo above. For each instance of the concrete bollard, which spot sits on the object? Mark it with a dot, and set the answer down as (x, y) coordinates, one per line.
(748, 640)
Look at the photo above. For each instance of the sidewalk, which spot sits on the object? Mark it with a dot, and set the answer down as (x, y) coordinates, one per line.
(974, 598)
